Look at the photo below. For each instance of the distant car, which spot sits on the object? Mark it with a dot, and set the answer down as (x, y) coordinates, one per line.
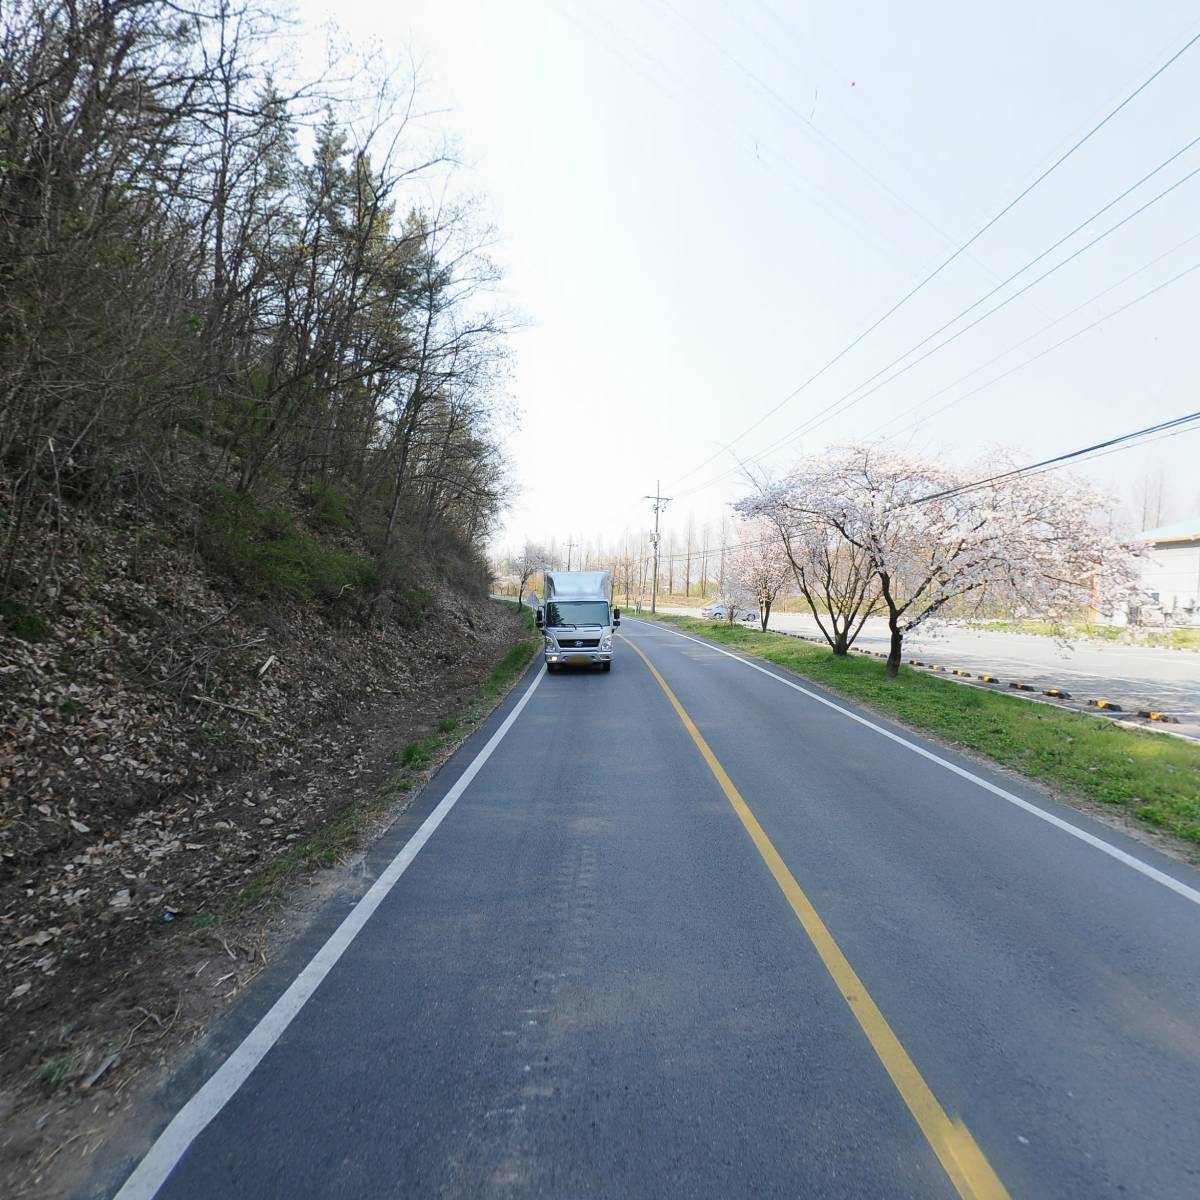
(720, 612)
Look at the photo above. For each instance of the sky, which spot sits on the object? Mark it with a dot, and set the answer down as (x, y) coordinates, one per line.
(699, 205)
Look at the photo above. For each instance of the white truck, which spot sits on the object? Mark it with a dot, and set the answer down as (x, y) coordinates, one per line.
(577, 619)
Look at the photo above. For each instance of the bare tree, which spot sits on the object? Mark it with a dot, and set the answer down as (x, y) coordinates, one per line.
(644, 569)
(1151, 498)
(689, 543)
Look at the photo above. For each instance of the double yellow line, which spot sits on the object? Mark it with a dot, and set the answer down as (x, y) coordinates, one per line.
(957, 1151)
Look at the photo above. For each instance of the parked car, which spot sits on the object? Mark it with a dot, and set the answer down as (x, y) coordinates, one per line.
(720, 612)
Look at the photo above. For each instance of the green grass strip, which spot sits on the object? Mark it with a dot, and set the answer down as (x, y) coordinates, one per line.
(1186, 638)
(1153, 777)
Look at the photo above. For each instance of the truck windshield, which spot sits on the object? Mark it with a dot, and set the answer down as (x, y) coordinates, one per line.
(560, 613)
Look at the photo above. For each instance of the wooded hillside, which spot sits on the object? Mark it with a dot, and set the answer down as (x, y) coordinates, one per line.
(250, 387)
(220, 292)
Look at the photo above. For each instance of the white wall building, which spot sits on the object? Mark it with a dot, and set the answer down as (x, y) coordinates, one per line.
(1171, 573)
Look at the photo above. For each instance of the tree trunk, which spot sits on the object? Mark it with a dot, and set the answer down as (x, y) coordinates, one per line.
(893, 660)
(841, 643)
(764, 612)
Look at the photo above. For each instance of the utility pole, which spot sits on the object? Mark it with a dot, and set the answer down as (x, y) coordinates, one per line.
(660, 502)
(570, 546)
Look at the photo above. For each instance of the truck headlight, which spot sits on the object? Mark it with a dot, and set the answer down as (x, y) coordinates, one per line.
(606, 642)
(551, 645)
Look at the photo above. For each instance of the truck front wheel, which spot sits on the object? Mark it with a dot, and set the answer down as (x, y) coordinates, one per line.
(606, 666)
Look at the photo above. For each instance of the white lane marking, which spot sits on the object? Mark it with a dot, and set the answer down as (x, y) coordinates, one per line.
(1168, 881)
(194, 1116)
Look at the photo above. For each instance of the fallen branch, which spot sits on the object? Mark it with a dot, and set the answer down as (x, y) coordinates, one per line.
(94, 1078)
(248, 712)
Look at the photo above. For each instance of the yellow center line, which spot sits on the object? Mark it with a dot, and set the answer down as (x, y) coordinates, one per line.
(957, 1151)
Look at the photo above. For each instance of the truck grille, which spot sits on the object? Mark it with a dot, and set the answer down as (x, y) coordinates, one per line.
(580, 643)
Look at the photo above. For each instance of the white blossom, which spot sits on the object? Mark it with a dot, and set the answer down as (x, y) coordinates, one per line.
(1027, 540)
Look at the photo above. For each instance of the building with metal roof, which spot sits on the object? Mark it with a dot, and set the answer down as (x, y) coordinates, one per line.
(1171, 572)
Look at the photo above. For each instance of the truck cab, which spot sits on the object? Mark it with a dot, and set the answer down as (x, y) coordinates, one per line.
(577, 619)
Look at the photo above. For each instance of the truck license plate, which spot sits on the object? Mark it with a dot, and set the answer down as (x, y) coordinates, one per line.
(579, 660)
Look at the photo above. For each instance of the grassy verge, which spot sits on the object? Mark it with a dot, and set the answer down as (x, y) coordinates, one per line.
(1152, 777)
(350, 830)
(1180, 639)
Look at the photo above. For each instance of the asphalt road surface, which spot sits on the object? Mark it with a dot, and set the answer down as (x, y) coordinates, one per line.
(731, 941)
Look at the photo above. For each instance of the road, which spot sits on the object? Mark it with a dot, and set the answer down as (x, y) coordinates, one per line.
(1135, 676)
(738, 940)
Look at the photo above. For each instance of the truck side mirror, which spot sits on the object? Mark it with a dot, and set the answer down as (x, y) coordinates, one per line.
(616, 617)
(539, 617)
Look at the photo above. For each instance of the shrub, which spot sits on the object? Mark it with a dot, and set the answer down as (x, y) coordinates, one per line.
(22, 622)
(326, 507)
(262, 549)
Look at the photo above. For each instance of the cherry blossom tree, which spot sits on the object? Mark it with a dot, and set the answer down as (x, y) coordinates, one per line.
(731, 592)
(761, 565)
(530, 559)
(933, 538)
(836, 579)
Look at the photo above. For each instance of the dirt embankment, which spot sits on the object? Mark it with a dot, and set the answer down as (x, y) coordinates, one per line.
(163, 746)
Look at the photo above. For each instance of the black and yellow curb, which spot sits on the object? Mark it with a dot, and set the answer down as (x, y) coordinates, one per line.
(1053, 693)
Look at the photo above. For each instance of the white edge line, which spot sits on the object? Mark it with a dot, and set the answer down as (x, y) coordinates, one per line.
(187, 1124)
(1168, 881)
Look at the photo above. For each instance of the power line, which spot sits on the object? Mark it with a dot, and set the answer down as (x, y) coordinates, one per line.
(807, 122)
(826, 414)
(1112, 287)
(1176, 423)
(1126, 446)
(956, 254)
(833, 408)
(886, 140)
(1101, 450)
(652, 75)
(1166, 283)
(1187, 423)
